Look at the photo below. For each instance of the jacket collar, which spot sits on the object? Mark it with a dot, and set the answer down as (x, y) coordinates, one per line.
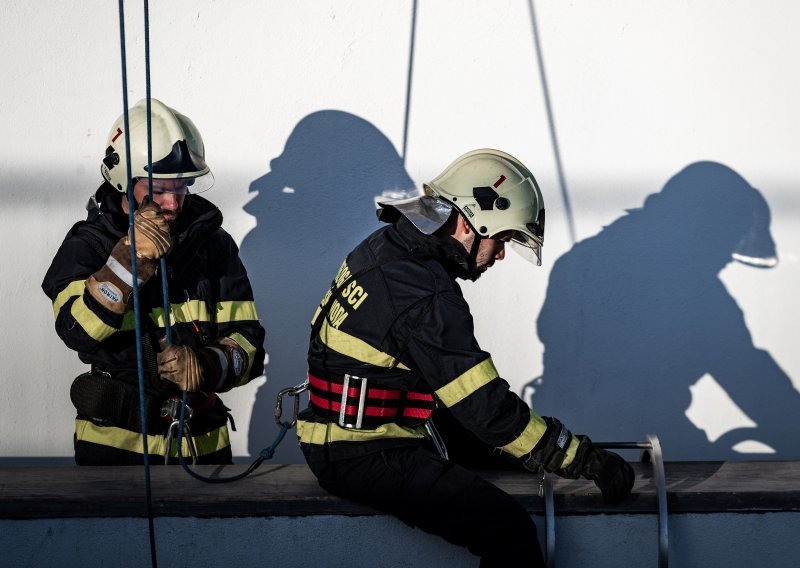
(449, 253)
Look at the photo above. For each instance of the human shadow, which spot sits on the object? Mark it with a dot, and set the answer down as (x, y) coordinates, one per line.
(312, 208)
(637, 314)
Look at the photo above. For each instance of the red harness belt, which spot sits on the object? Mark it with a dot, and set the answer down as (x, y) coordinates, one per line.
(351, 403)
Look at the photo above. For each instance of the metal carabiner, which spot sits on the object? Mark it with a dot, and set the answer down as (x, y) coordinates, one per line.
(290, 391)
(174, 429)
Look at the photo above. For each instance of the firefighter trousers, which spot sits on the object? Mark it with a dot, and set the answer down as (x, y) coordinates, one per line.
(440, 497)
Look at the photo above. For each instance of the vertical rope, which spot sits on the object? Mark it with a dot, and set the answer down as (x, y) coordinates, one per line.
(408, 81)
(163, 267)
(551, 123)
(136, 307)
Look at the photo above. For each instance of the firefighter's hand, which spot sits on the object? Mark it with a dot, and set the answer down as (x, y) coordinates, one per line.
(181, 365)
(612, 474)
(151, 231)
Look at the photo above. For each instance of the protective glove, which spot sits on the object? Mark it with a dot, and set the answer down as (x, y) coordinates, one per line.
(182, 365)
(217, 367)
(112, 285)
(612, 474)
(609, 471)
(151, 231)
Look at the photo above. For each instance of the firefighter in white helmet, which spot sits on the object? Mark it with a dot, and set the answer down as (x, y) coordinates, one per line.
(216, 336)
(393, 360)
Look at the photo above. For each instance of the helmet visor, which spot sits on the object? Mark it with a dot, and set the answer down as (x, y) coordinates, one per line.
(182, 186)
(529, 247)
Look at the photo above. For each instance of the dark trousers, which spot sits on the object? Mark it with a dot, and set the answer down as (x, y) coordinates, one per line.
(440, 497)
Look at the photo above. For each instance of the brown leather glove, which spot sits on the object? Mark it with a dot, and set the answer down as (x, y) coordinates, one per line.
(217, 367)
(183, 366)
(112, 285)
(151, 231)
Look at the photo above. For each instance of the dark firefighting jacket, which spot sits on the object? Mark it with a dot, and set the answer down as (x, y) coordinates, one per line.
(210, 298)
(396, 317)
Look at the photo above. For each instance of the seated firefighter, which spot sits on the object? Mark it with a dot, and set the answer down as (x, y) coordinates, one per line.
(392, 352)
(217, 340)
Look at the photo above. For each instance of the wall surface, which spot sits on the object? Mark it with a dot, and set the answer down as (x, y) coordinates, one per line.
(696, 541)
(665, 136)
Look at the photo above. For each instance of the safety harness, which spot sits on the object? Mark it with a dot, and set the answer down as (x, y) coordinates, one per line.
(350, 402)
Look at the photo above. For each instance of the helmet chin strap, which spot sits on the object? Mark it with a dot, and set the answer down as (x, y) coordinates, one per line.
(472, 257)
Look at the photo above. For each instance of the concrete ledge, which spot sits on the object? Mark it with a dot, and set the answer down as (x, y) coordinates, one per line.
(291, 490)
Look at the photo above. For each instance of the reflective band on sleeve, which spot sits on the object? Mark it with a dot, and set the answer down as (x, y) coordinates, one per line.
(525, 442)
(96, 328)
(129, 441)
(73, 289)
(248, 347)
(572, 449)
(236, 311)
(356, 348)
(122, 273)
(186, 312)
(325, 433)
(467, 383)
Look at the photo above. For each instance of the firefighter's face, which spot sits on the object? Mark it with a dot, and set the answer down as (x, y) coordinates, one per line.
(491, 250)
(168, 193)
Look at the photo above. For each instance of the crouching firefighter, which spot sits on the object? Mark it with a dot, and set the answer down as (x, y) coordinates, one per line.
(217, 340)
(393, 355)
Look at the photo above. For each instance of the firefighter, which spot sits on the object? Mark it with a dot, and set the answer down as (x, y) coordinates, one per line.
(392, 340)
(217, 340)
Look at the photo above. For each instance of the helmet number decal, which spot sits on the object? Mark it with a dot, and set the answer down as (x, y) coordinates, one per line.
(117, 135)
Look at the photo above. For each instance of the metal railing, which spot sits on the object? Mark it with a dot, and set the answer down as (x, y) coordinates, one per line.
(651, 453)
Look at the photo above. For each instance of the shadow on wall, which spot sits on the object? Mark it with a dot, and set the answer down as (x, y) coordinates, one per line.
(636, 314)
(313, 207)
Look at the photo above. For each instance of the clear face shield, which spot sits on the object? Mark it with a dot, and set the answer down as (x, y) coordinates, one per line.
(528, 244)
(528, 247)
(182, 186)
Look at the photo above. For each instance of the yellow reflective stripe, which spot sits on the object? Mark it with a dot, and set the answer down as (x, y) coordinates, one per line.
(185, 312)
(356, 348)
(467, 383)
(319, 434)
(122, 439)
(525, 442)
(572, 449)
(248, 347)
(236, 311)
(75, 288)
(96, 328)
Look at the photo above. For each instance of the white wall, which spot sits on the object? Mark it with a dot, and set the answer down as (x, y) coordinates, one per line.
(638, 92)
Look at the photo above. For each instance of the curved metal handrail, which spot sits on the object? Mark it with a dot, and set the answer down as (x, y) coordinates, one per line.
(651, 452)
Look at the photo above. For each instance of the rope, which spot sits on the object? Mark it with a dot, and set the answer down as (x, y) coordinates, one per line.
(552, 126)
(136, 307)
(265, 454)
(408, 81)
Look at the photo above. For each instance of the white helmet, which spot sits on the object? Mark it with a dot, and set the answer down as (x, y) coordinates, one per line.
(494, 192)
(177, 148)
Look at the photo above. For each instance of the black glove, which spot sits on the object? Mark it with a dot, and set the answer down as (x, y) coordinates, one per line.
(612, 474)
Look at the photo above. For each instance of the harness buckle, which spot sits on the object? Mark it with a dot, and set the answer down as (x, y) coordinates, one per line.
(362, 396)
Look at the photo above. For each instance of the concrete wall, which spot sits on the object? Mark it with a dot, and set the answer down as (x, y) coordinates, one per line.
(696, 540)
(634, 324)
